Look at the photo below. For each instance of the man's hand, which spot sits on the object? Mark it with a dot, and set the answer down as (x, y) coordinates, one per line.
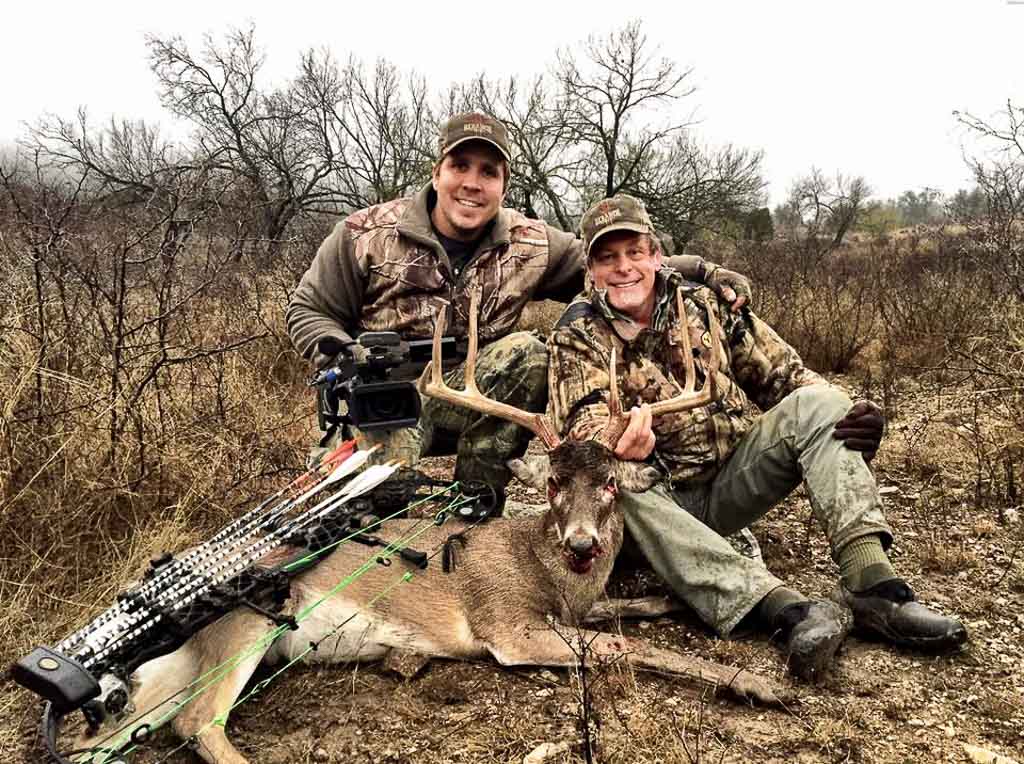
(332, 351)
(731, 286)
(862, 428)
(637, 441)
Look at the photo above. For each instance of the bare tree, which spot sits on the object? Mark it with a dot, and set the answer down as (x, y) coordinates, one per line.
(124, 162)
(828, 207)
(382, 128)
(1007, 140)
(687, 186)
(39, 214)
(999, 174)
(339, 138)
(116, 291)
(608, 91)
(267, 140)
(330, 139)
(585, 131)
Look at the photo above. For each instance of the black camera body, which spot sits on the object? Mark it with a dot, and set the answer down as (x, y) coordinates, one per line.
(376, 381)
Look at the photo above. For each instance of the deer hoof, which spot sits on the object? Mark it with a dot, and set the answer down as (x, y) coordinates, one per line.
(750, 686)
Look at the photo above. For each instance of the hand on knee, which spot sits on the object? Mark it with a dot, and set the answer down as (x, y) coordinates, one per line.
(862, 428)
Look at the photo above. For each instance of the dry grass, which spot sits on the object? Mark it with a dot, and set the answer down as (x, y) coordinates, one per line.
(942, 554)
(82, 511)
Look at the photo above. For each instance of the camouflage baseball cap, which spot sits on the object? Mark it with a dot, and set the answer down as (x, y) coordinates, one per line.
(473, 126)
(619, 213)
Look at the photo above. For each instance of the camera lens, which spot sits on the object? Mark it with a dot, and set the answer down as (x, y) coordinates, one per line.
(384, 405)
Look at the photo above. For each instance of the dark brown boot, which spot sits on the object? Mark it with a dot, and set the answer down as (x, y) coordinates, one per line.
(890, 610)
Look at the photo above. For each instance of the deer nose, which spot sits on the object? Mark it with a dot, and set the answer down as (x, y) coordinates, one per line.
(583, 545)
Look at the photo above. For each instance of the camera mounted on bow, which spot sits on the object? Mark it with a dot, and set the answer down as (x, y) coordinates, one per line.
(375, 376)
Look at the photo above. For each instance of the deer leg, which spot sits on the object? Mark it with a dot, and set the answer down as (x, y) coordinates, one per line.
(213, 747)
(637, 607)
(158, 687)
(560, 645)
(228, 659)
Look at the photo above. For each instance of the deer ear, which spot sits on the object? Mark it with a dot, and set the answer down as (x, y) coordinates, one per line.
(533, 471)
(636, 477)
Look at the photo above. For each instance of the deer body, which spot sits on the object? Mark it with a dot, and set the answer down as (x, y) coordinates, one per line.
(509, 579)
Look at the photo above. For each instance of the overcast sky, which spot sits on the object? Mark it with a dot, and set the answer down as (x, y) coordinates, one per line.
(864, 87)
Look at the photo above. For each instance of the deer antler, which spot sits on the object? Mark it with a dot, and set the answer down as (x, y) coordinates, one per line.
(687, 399)
(471, 397)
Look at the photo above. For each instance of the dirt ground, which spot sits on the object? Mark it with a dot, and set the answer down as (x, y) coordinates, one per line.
(880, 704)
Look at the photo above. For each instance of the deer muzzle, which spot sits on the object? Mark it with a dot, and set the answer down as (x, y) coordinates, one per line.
(580, 550)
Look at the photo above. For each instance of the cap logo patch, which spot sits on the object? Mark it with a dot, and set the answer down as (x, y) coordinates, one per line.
(607, 217)
(478, 127)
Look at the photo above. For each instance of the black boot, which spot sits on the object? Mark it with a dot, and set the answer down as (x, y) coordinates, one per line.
(890, 610)
(811, 633)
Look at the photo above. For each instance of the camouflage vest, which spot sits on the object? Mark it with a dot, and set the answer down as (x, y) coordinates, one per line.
(409, 278)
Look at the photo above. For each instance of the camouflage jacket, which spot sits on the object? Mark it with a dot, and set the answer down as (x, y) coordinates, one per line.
(382, 269)
(757, 366)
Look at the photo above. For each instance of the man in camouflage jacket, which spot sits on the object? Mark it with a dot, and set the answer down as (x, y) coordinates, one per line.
(726, 463)
(395, 266)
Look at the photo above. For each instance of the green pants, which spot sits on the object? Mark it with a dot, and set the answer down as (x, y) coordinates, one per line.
(513, 370)
(790, 444)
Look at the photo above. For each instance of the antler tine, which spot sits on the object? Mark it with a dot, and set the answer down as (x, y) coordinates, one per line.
(436, 377)
(614, 401)
(708, 392)
(471, 397)
(691, 375)
(474, 327)
(617, 421)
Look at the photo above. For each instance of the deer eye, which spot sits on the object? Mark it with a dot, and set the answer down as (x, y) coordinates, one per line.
(552, 489)
(611, 486)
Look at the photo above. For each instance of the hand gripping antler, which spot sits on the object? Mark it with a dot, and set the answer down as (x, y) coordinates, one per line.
(471, 397)
(687, 398)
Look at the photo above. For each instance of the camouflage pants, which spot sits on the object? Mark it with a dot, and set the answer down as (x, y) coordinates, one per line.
(790, 444)
(513, 370)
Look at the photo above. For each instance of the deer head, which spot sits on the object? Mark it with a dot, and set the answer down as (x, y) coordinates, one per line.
(581, 478)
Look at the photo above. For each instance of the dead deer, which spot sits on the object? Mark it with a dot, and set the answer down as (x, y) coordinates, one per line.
(512, 577)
